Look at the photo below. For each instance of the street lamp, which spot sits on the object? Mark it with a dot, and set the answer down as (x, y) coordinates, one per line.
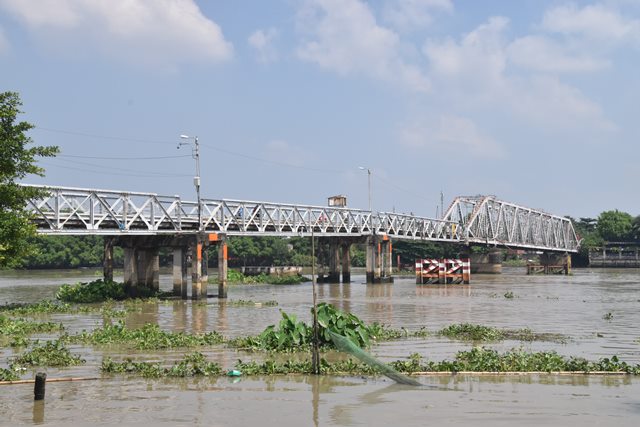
(195, 153)
(362, 168)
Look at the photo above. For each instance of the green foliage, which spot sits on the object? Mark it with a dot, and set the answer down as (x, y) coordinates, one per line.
(509, 295)
(21, 327)
(272, 367)
(234, 276)
(615, 226)
(16, 162)
(471, 332)
(250, 303)
(96, 291)
(8, 375)
(480, 359)
(149, 337)
(42, 307)
(68, 252)
(52, 353)
(194, 364)
(293, 335)
(410, 250)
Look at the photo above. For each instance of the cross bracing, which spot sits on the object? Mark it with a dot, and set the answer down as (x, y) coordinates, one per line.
(488, 221)
(81, 211)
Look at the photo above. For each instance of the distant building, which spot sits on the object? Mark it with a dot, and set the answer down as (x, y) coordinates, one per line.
(338, 201)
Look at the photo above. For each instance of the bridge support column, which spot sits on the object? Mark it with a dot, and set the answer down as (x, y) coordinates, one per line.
(149, 268)
(198, 285)
(346, 262)
(378, 249)
(334, 262)
(551, 263)
(107, 260)
(130, 268)
(489, 263)
(222, 268)
(180, 267)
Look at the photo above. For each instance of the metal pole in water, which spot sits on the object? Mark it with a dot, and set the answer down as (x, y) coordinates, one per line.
(315, 350)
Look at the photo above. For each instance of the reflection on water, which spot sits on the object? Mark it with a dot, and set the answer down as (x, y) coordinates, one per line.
(574, 306)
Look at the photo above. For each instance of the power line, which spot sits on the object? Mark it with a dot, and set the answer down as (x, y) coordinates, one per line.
(122, 158)
(111, 169)
(115, 138)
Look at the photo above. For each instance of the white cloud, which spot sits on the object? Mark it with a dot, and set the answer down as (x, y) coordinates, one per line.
(452, 134)
(344, 37)
(263, 42)
(475, 74)
(544, 54)
(147, 31)
(409, 14)
(595, 22)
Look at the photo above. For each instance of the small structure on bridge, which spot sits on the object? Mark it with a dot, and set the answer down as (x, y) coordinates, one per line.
(443, 271)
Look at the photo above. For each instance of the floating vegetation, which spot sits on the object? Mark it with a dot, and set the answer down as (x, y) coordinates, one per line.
(234, 276)
(96, 291)
(42, 307)
(149, 337)
(608, 316)
(294, 335)
(8, 375)
(509, 295)
(471, 332)
(194, 364)
(249, 303)
(16, 331)
(52, 353)
(480, 359)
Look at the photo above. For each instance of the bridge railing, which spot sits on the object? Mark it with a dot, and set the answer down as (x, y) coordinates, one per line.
(489, 221)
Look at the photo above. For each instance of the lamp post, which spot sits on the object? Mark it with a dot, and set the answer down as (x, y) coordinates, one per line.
(195, 153)
(362, 168)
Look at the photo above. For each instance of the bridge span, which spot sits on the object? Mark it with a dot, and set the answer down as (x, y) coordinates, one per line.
(143, 222)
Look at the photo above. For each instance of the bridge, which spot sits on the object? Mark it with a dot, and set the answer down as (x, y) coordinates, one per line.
(143, 222)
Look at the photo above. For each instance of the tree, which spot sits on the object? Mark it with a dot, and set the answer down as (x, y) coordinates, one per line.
(16, 162)
(615, 226)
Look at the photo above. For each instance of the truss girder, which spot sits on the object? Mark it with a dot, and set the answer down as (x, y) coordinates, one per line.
(482, 220)
(489, 221)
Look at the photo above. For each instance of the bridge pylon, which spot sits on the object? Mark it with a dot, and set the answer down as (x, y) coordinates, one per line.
(379, 259)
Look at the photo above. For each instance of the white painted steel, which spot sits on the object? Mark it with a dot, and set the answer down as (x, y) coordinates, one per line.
(81, 211)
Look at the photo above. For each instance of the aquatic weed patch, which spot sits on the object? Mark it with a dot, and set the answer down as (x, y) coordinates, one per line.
(8, 375)
(51, 353)
(16, 331)
(234, 276)
(149, 337)
(194, 364)
(96, 291)
(480, 359)
(294, 335)
(41, 307)
(478, 333)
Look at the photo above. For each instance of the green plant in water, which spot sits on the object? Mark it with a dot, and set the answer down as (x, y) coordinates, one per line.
(191, 365)
(471, 332)
(149, 337)
(8, 375)
(96, 291)
(52, 353)
(234, 276)
(509, 295)
(608, 316)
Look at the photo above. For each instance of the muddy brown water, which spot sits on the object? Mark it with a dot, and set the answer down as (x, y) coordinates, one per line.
(574, 306)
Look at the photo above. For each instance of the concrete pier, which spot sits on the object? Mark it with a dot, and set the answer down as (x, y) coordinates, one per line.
(345, 248)
(107, 260)
(489, 263)
(378, 259)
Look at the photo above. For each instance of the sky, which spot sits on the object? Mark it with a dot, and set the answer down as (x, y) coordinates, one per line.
(534, 101)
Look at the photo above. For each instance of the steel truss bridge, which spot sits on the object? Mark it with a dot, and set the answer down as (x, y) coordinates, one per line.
(480, 220)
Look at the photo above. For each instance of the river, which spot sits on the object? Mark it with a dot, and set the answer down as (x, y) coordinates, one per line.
(598, 310)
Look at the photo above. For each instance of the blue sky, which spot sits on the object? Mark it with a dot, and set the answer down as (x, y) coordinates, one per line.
(534, 101)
